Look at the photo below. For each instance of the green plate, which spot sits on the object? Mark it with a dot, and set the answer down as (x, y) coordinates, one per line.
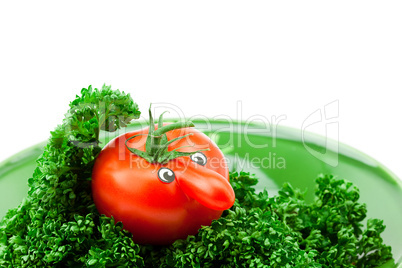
(276, 155)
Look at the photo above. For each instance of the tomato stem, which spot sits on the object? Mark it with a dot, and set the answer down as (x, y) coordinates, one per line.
(156, 147)
(167, 128)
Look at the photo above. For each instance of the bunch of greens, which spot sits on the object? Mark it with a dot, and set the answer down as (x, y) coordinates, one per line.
(283, 231)
(57, 225)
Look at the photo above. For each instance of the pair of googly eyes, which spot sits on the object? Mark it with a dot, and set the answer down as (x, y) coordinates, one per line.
(166, 175)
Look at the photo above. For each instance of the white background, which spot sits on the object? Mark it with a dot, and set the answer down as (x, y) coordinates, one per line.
(286, 58)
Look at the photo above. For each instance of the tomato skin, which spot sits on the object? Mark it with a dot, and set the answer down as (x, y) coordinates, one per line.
(127, 187)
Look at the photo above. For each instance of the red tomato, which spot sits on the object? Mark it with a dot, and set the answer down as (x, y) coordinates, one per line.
(159, 203)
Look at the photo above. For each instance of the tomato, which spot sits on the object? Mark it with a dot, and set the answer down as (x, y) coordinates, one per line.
(161, 201)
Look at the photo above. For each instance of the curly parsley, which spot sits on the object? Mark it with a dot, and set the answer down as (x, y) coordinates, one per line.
(283, 231)
(57, 225)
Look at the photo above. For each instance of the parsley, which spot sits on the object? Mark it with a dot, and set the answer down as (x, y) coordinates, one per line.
(57, 225)
(283, 231)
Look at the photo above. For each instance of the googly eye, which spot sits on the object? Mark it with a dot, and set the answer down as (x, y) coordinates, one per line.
(166, 175)
(199, 158)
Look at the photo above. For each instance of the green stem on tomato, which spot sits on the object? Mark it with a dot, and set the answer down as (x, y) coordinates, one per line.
(156, 147)
(157, 136)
